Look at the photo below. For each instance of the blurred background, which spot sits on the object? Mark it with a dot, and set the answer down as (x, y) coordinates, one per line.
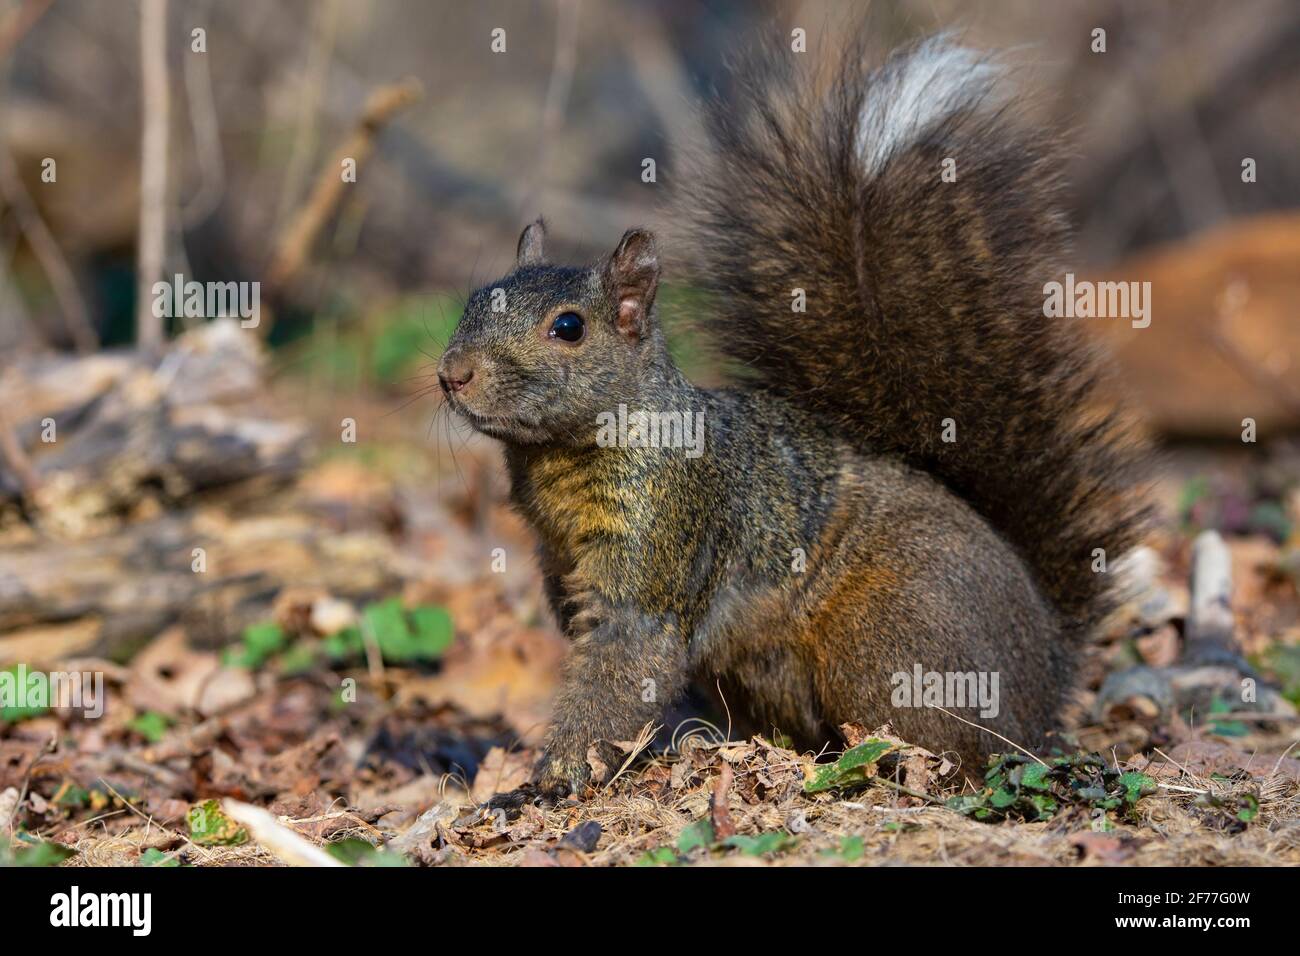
(184, 497)
(558, 123)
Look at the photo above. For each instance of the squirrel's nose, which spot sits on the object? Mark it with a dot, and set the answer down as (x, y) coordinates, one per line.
(455, 372)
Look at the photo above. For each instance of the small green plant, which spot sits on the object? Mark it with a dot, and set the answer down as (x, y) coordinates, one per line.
(700, 835)
(151, 725)
(71, 796)
(851, 849)
(27, 850)
(697, 834)
(1022, 788)
(1225, 728)
(1283, 660)
(762, 844)
(357, 852)
(660, 856)
(259, 644)
(855, 766)
(1231, 812)
(156, 857)
(420, 635)
(10, 676)
(209, 826)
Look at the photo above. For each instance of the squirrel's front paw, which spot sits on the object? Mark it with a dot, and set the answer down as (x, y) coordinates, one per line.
(557, 776)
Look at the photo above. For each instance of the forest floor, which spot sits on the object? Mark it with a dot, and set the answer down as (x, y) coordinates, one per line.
(374, 716)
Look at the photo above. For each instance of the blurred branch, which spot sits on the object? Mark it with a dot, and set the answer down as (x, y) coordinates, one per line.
(207, 140)
(13, 314)
(295, 242)
(312, 85)
(662, 75)
(76, 318)
(557, 93)
(1179, 143)
(153, 169)
(21, 19)
(13, 455)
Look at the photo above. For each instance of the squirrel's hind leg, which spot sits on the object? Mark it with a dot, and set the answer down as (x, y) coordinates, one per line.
(921, 612)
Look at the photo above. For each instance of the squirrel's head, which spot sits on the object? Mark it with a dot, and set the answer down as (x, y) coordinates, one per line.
(540, 353)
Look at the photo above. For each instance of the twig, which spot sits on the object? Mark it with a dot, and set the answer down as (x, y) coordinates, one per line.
(1273, 772)
(1181, 148)
(148, 818)
(76, 318)
(15, 26)
(993, 732)
(1171, 786)
(49, 747)
(294, 244)
(311, 85)
(157, 772)
(661, 74)
(206, 128)
(153, 170)
(95, 819)
(374, 656)
(643, 740)
(274, 836)
(919, 794)
(882, 809)
(11, 451)
(1172, 761)
(557, 95)
(678, 738)
(725, 706)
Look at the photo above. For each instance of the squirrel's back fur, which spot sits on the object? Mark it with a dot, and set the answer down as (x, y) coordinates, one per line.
(924, 297)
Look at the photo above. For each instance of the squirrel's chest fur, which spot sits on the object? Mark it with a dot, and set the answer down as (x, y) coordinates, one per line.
(573, 501)
(694, 540)
(591, 510)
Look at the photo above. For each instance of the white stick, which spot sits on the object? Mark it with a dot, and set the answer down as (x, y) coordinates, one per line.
(289, 846)
(1210, 623)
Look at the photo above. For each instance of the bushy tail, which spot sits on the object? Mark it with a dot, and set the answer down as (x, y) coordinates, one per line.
(924, 293)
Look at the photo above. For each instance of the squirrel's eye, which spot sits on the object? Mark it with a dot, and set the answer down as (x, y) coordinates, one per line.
(567, 327)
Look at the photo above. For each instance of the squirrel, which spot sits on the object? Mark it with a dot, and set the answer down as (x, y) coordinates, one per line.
(918, 470)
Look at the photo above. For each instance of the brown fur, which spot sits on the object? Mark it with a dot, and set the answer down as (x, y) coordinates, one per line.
(828, 538)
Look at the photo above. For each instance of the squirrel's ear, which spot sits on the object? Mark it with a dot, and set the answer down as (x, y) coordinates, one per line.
(531, 242)
(633, 276)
